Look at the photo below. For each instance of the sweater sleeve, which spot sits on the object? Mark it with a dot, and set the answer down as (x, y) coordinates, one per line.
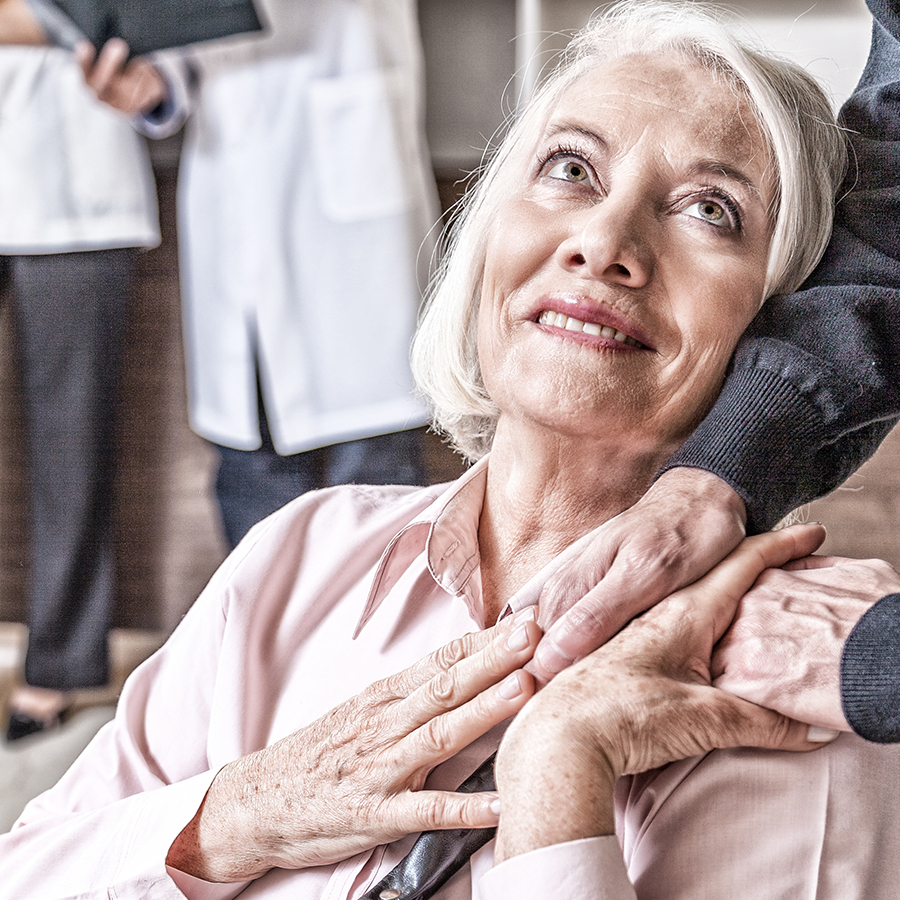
(870, 673)
(815, 383)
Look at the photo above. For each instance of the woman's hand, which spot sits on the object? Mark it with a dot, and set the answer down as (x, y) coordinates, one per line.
(642, 700)
(353, 779)
(784, 648)
(132, 86)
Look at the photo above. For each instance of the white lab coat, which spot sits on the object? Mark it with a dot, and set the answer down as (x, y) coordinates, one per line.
(73, 173)
(305, 196)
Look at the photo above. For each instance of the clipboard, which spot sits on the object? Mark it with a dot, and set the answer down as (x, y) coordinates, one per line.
(145, 25)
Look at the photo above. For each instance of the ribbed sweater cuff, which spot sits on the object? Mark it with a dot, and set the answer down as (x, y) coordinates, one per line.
(870, 673)
(751, 439)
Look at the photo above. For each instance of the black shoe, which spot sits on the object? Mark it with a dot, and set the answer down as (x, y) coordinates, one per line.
(21, 725)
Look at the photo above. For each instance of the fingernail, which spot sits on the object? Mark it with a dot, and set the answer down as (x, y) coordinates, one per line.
(529, 614)
(518, 640)
(495, 806)
(818, 735)
(551, 658)
(510, 687)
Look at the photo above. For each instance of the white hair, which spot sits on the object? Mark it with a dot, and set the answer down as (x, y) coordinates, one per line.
(808, 157)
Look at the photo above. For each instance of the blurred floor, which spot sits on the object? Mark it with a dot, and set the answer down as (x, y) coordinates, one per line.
(35, 763)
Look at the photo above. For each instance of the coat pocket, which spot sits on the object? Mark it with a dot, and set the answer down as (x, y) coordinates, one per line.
(359, 149)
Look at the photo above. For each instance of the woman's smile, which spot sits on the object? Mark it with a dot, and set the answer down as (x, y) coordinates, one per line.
(592, 323)
(561, 321)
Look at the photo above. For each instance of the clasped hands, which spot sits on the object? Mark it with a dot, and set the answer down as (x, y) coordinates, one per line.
(784, 649)
(643, 699)
(354, 779)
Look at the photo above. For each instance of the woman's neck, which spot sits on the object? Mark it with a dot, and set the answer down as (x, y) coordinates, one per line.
(544, 491)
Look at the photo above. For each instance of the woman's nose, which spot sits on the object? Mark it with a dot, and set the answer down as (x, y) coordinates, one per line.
(612, 241)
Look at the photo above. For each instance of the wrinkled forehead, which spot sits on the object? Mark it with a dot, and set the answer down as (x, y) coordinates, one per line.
(672, 97)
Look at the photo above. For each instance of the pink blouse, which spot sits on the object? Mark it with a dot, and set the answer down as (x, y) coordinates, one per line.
(343, 587)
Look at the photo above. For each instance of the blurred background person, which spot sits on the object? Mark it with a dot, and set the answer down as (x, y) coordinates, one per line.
(76, 201)
(306, 198)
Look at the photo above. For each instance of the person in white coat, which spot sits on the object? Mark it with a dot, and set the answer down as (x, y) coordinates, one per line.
(306, 201)
(76, 200)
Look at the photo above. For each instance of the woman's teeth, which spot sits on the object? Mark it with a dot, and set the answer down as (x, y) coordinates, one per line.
(561, 320)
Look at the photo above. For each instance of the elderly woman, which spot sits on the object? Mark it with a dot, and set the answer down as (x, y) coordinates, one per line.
(665, 181)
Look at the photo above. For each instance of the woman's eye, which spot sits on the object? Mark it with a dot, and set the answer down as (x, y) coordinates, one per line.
(570, 170)
(709, 211)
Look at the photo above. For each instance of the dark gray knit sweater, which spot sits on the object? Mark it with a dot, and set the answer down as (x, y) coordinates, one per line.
(815, 384)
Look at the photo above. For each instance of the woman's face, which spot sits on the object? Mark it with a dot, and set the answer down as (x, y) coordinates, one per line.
(623, 267)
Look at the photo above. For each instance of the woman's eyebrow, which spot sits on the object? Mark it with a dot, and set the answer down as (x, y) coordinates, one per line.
(717, 167)
(558, 128)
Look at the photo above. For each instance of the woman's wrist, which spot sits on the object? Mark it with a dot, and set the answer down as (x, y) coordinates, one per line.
(224, 842)
(556, 780)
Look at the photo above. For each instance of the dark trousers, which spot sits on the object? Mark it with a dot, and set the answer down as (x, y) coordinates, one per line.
(252, 484)
(69, 311)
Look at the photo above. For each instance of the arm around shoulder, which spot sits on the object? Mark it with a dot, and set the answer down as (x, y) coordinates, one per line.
(815, 384)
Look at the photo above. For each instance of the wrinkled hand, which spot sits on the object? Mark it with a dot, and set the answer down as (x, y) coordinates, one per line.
(687, 522)
(784, 648)
(130, 86)
(353, 779)
(642, 700)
